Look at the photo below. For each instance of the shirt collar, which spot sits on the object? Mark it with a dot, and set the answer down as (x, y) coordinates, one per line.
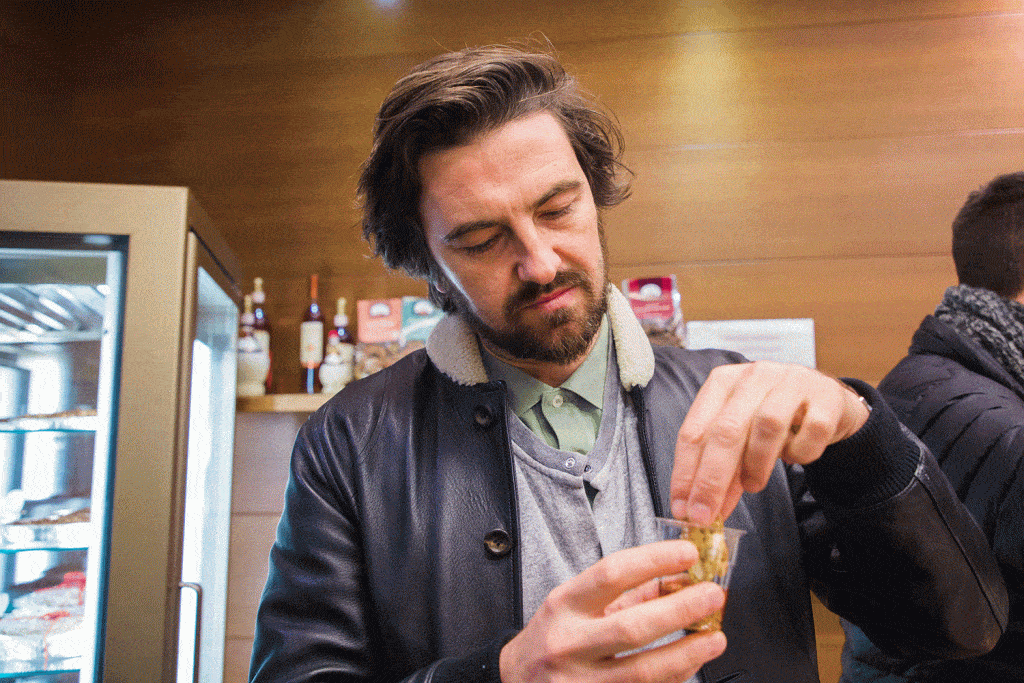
(587, 381)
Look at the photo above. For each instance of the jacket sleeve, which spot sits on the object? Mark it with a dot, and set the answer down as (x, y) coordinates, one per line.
(311, 624)
(975, 427)
(315, 621)
(889, 547)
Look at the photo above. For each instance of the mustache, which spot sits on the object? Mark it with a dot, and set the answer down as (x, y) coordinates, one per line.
(531, 291)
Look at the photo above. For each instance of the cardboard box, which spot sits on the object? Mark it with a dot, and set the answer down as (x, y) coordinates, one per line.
(387, 329)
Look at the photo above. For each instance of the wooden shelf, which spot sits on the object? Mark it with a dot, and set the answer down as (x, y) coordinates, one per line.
(281, 403)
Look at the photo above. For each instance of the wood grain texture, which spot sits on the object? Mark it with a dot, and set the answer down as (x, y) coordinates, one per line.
(251, 539)
(263, 448)
(864, 310)
(799, 131)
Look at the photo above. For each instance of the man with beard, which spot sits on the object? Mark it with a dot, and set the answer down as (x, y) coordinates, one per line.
(483, 510)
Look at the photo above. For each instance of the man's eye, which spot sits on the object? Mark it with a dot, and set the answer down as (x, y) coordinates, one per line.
(481, 247)
(557, 213)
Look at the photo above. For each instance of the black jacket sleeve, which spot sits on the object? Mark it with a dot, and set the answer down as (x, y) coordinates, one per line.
(930, 588)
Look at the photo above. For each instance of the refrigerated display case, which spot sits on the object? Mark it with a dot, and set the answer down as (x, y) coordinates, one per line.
(118, 327)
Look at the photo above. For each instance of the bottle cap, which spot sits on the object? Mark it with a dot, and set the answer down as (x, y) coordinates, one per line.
(258, 296)
(248, 318)
(341, 319)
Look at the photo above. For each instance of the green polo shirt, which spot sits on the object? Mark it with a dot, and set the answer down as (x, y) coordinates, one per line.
(566, 417)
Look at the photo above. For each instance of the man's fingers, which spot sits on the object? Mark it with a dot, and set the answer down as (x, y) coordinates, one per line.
(776, 420)
(706, 407)
(745, 420)
(646, 622)
(602, 583)
(678, 661)
(641, 594)
(732, 498)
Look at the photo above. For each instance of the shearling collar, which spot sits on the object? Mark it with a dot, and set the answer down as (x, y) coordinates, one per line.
(453, 348)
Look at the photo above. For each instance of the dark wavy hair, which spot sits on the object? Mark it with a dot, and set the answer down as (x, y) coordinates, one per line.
(447, 101)
(988, 237)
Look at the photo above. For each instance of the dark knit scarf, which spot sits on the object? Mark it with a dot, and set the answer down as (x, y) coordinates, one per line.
(997, 324)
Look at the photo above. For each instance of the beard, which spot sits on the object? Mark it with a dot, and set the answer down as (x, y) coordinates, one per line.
(560, 337)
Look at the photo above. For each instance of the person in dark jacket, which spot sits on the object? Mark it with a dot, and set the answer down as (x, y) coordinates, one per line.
(961, 389)
(483, 509)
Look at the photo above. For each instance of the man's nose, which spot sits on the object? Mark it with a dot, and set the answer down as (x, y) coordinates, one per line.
(537, 259)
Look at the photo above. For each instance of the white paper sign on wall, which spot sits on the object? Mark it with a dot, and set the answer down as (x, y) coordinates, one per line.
(785, 340)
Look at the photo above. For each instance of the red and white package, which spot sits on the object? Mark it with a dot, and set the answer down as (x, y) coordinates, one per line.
(655, 302)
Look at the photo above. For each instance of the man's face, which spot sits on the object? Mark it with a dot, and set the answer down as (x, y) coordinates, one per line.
(511, 221)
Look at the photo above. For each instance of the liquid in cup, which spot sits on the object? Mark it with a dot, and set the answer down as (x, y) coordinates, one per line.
(717, 546)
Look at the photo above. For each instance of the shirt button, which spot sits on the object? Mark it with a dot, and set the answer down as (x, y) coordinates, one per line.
(557, 401)
(570, 463)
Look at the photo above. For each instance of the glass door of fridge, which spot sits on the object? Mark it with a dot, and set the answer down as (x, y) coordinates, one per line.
(61, 309)
(207, 507)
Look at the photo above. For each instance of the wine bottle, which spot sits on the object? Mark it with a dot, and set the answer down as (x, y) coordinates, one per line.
(252, 359)
(336, 370)
(261, 326)
(246, 320)
(311, 340)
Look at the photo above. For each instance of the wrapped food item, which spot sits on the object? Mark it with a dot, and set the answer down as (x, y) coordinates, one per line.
(46, 624)
(656, 303)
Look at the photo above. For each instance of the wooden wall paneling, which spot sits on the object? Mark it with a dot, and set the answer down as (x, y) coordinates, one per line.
(263, 446)
(263, 449)
(252, 536)
(840, 197)
(237, 653)
(914, 77)
(251, 539)
(865, 310)
(830, 639)
(226, 32)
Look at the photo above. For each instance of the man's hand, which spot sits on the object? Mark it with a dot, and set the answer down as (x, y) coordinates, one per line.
(611, 608)
(744, 418)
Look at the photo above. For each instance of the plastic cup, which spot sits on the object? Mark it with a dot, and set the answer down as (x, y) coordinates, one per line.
(718, 546)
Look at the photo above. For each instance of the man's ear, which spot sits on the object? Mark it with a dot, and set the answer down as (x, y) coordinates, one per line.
(439, 296)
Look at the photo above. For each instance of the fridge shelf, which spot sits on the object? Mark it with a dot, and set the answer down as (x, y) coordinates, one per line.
(38, 667)
(16, 538)
(24, 425)
(11, 549)
(11, 336)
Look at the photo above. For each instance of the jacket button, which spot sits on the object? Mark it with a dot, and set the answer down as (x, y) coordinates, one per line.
(483, 416)
(498, 543)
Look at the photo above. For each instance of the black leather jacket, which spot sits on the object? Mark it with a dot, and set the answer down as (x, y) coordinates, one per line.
(970, 412)
(396, 557)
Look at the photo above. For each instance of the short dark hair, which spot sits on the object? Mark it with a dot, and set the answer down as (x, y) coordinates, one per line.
(447, 101)
(988, 237)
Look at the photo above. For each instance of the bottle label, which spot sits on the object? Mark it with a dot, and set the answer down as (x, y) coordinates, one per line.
(311, 340)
